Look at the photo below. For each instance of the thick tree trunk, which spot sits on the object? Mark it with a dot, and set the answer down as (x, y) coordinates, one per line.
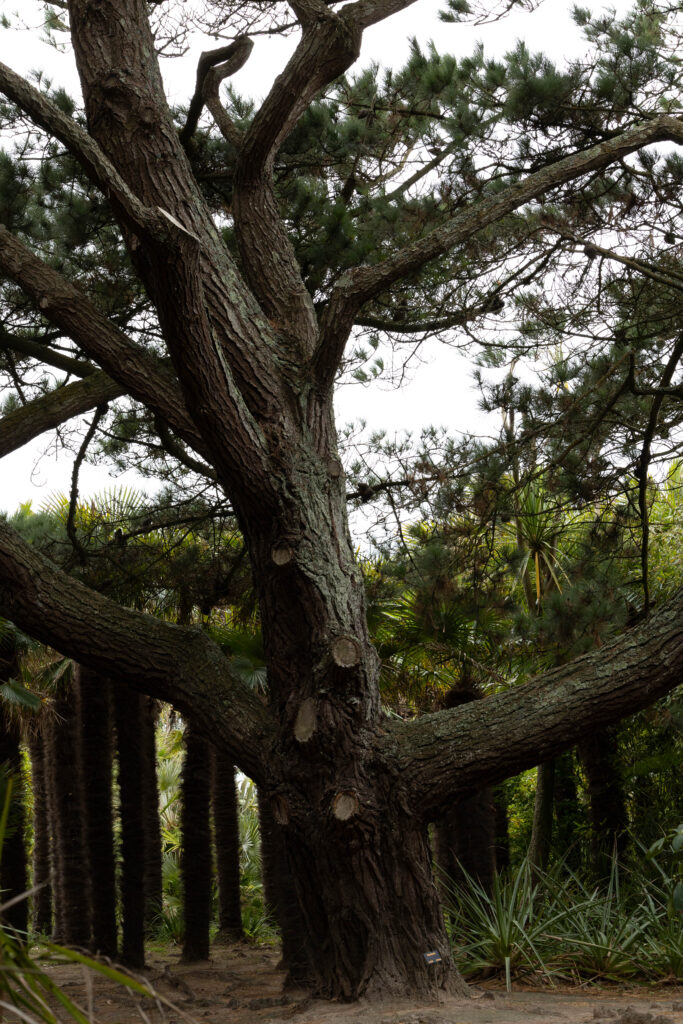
(226, 825)
(72, 892)
(128, 711)
(280, 897)
(93, 694)
(542, 829)
(152, 824)
(41, 918)
(607, 805)
(195, 863)
(363, 879)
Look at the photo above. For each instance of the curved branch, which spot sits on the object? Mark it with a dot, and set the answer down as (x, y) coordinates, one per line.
(453, 753)
(19, 427)
(356, 287)
(231, 58)
(173, 663)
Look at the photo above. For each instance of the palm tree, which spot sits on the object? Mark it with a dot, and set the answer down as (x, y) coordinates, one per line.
(93, 696)
(195, 864)
(13, 872)
(152, 823)
(42, 897)
(226, 828)
(71, 887)
(128, 712)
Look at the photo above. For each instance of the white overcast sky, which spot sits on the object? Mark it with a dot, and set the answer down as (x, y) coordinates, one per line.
(440, 392)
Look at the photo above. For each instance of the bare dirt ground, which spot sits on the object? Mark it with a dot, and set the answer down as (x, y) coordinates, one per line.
(242, 985)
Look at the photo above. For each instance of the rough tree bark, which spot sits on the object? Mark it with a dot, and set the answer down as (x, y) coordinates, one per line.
(195, 861)
(251, 392)
(41, 919)
(13, 873)
(93, 699)
(128, 712)
(226, 825)
(152, 823)
(71, 891)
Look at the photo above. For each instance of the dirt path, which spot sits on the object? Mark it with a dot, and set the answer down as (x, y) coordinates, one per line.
(241, 985)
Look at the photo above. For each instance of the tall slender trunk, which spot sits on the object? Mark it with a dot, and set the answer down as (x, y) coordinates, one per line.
(196, 865)
(72, 894)
(13, 872)
(542, 829)
(41, 920)
(152, 824)
(227, 834)
(128, 714)
(607, 805)
(93, 694)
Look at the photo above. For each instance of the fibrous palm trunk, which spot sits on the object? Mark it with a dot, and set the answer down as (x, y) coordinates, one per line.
(72, 891)
(93, 693)
(13, 873)
(227, 835)
(128, 715)
(42, 896)
(196, 866)
(152, 823)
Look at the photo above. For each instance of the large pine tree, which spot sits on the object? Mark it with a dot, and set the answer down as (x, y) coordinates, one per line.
(215, 279)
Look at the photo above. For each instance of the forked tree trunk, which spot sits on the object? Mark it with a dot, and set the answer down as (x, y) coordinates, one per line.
(67, 812)
(41, 917)
(128, 710)
(152, 824)
(195, 862)
(226, 825)
(93, 694)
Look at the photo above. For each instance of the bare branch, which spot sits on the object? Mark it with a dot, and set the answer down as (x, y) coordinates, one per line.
(19, 427)
(356, 287)
(230, 58)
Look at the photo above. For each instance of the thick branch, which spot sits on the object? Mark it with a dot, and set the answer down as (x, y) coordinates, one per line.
(65, 305)
(357, 287)
(173, 663)
(19, 427)
(453, 753)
